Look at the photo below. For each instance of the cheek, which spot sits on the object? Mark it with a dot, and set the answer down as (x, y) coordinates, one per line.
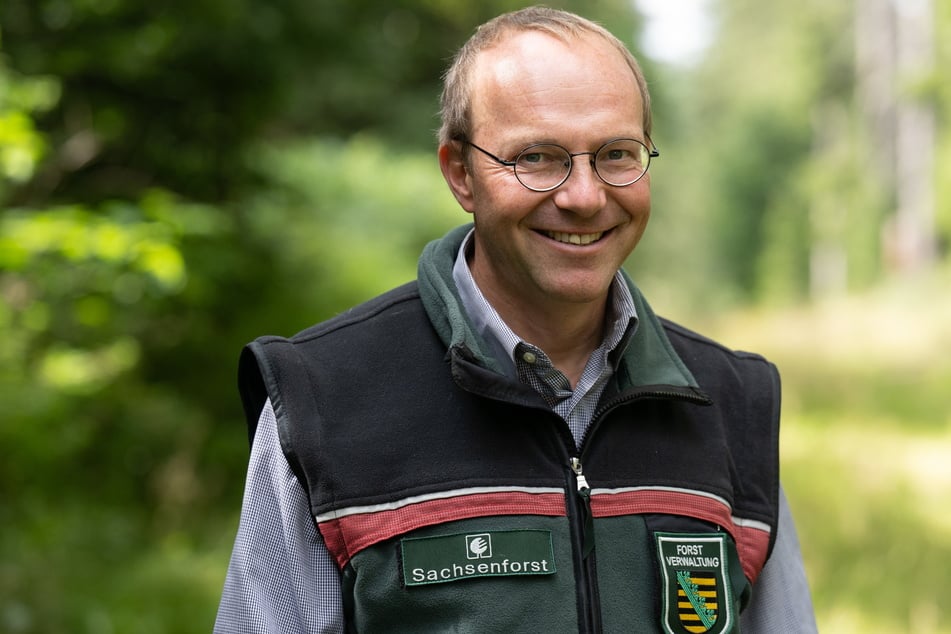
(637, 202)
(646, 207)
(502, 199)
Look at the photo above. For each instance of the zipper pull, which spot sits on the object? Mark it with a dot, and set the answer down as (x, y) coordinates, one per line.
(584, 492)
(583, 487)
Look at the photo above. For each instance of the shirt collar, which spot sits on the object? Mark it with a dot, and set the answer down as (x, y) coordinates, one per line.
(621, 318)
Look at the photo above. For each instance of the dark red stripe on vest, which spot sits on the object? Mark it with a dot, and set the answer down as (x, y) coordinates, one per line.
(346, 536)
(752, 544)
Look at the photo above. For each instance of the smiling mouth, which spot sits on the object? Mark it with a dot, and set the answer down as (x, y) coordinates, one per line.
(574, 238)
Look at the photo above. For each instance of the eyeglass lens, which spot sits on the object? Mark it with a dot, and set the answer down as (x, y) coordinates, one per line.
(618, 163)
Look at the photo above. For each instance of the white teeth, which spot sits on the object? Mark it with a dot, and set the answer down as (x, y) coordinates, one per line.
(574, 238)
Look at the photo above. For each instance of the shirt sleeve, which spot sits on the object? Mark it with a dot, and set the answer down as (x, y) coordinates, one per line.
(781, 601)
(281, 577)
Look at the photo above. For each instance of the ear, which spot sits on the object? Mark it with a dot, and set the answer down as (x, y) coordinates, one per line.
(456, 172)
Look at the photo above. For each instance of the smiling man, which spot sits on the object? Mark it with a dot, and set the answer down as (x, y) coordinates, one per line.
(545, 260)
(515, 442)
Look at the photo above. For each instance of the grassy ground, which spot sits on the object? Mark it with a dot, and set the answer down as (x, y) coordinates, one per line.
(867, 450)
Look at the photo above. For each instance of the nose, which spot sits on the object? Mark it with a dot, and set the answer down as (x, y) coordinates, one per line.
(583, 193)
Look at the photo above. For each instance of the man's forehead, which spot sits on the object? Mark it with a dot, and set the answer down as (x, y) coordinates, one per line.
(524, 57)
(526, 69)
(525, 48)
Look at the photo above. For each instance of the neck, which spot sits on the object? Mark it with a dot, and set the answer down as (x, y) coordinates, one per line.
(567, 334)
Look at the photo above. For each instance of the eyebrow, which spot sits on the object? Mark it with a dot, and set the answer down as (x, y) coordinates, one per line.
(643, 138)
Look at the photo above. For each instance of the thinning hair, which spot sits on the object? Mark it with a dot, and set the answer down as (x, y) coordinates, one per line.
(456, 101)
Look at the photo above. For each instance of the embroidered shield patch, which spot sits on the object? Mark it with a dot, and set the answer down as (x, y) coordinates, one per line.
(697, 597)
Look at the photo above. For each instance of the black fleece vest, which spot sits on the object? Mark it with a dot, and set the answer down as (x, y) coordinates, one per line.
(402, 445)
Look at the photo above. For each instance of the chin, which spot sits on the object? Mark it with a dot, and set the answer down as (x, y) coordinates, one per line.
(580, 292)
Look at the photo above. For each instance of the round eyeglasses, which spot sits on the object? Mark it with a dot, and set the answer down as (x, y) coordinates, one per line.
(543, 167)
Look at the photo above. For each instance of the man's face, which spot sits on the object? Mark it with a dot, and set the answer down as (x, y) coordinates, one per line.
(534, 88)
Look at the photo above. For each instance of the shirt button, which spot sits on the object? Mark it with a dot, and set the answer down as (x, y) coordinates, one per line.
(529, 358)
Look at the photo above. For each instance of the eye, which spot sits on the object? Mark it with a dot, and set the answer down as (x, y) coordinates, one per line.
(538, 157)
(532, 157)
(623, 154)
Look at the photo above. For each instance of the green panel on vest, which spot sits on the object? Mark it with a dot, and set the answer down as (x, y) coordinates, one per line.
(378, 599)
(448, 558)
(626, 575)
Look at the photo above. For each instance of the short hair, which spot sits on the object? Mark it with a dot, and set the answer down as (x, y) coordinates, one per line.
(456, 100)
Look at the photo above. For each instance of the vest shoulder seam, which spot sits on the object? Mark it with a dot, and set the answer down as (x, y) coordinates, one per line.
(360, 313)
(676, 330)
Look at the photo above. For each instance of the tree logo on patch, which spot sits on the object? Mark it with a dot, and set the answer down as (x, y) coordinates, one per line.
(697, 597)
(479, 546)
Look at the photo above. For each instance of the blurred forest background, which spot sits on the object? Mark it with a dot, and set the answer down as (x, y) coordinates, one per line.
(177, 178)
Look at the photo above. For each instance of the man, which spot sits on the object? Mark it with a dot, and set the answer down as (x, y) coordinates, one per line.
(515, 443)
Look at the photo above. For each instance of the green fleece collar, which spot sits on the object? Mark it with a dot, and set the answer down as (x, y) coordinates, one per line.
(649, 358)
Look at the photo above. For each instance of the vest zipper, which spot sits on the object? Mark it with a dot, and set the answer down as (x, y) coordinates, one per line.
(582, 525)
(579, 506)
(584, 495)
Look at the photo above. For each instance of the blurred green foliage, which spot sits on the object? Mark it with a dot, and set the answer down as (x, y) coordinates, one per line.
(120, 328)
(170, 94)
(179, 178)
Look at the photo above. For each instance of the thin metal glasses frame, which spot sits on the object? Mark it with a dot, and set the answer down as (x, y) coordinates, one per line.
(652, 153)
